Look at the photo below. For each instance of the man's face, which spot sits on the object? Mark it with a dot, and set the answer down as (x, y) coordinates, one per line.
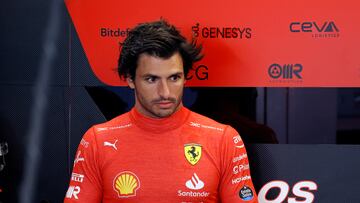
(158, 85)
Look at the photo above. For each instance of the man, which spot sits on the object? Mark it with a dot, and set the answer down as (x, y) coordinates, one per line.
(160, 151)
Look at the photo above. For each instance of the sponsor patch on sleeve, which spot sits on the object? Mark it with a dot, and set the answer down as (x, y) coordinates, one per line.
(246, 193)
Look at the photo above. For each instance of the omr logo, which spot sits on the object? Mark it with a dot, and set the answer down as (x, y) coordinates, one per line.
(313, 27)
(286, 71)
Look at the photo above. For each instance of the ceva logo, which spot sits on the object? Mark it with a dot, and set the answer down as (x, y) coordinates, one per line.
(286, 71)
(325, 27)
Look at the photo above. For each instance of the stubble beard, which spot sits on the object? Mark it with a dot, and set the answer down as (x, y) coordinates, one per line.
(154, 112)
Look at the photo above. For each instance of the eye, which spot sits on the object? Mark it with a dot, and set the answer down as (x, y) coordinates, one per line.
(150, 79)
(175, 77)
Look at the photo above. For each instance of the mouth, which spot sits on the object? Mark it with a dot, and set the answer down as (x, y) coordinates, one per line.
(165, 104)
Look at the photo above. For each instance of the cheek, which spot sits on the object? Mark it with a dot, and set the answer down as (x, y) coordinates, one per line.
(146, 91)
(178, 89)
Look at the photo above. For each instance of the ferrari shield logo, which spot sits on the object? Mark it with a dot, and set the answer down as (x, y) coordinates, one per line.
(192, 153)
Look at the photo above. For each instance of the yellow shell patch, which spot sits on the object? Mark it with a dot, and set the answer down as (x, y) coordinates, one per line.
(126, 183)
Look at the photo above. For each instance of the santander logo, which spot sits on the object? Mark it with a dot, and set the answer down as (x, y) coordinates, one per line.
(194, 183)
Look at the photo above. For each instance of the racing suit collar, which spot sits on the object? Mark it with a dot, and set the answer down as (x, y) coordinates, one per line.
(160, 125)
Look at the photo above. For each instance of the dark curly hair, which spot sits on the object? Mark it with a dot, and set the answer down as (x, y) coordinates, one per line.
(159, 39)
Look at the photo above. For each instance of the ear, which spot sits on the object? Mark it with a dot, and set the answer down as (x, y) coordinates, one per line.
(130, 82)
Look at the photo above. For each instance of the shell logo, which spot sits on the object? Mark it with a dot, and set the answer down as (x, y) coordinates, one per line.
(126, 183)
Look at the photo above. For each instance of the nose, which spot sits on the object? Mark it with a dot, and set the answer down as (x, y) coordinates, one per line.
(163, 90)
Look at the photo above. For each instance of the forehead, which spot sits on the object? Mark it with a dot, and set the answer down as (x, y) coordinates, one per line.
(153, 65)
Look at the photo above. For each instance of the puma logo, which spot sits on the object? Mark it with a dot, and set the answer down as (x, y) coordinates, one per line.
(111, 144)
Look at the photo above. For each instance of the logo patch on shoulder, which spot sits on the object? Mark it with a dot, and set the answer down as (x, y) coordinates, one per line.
(192, 153)
(246, 193)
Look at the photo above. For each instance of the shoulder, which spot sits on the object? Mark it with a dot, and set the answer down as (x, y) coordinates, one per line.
(111, 127)
(212, 127)
(206, 124)
(218, 136)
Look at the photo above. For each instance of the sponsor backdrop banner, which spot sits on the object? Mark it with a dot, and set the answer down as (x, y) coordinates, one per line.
(246, 43)
(305, 173)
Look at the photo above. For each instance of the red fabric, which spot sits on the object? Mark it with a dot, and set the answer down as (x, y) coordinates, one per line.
(145, 158)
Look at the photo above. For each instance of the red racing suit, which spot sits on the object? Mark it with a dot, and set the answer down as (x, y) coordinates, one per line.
(183, 158)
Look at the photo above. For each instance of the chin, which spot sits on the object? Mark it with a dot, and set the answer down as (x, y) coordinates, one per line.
(165, 113)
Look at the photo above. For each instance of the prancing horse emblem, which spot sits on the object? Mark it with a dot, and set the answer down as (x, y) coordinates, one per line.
(192, 153)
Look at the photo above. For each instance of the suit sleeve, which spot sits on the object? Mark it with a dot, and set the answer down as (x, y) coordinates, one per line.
(236, 183)
(85, 182)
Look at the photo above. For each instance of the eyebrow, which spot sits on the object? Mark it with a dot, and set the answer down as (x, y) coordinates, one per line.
(156, 76)
(149, 75)
(177, 73)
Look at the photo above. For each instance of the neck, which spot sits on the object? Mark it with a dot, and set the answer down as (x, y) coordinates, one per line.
(160, 125)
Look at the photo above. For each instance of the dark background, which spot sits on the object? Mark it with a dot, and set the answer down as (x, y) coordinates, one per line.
(50, 97)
